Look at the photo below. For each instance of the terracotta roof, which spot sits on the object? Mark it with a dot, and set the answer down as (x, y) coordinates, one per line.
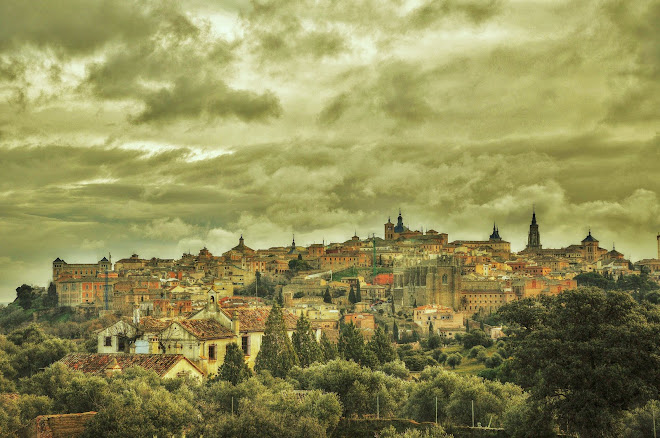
(254, 320)
(96, 363)
(62, 425)
(206, 328)
(150, 324)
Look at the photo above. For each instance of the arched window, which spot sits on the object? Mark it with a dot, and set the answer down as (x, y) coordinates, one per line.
(444, 279)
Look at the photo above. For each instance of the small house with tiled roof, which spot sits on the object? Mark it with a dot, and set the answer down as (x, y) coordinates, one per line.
(203, 341)
(130, 335)
(165, 365)
(249, 324)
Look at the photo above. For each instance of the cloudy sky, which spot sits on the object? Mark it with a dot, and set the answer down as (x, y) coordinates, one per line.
(161, 126)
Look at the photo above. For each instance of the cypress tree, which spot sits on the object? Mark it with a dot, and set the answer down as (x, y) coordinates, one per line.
(395, 332)
(329, 348)
(304, 343)
(351, 343)
(351, 296)
(327, 298)
(234, 369)
(381, 346)
(277, 354)
(358, 293)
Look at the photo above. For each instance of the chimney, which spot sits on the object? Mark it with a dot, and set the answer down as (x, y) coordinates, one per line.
(236, 324)
(153, 345)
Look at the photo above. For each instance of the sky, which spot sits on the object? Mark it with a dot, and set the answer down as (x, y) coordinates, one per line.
(158, 127)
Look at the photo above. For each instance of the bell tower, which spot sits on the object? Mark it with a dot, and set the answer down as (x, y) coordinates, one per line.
(533, 238)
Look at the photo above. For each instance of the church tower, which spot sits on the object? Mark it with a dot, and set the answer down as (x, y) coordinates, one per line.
(534, 238)
(389, 230)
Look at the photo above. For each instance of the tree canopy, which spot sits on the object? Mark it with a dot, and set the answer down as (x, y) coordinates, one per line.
(585, 356)
(276, 354)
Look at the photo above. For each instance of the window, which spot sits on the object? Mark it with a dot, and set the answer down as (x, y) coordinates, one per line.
(212, 354)
(120, 343)
(444, 279)
(245, 345)
(108, 341)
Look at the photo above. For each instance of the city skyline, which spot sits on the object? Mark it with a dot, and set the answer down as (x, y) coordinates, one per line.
(158, 127)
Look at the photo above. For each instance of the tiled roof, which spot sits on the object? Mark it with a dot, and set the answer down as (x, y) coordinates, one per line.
(206, 328)
(150, 324)
(254, 320)
(96, 363)
(62, 425)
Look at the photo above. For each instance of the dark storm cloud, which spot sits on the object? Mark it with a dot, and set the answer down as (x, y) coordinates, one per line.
(159, 127)
(189, 99)
(431, 12)
(80, 26)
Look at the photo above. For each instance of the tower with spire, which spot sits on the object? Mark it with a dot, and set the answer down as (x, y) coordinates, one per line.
(533, 238)
(495, 237)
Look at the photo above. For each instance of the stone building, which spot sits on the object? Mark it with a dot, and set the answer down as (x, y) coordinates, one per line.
(435, 281)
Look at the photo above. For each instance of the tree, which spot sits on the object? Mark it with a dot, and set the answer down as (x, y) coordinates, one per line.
(358, 293)
(304, 343)
(381, 345)
(276, 354)
(585, 356)
(327, 298)
(395, 332)
(476, 337)
(50, 300)
(351, 296)
(328, 348)
(24, 295)
(234, 369)
(351, 343)
(454, 360)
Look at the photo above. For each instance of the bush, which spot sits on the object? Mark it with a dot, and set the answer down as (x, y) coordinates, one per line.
(494, 361)
(474, 351)
(454, 360)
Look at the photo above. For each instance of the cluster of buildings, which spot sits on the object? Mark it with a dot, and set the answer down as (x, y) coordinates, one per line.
(187, 307)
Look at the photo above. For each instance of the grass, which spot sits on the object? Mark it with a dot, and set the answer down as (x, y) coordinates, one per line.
(467, 366)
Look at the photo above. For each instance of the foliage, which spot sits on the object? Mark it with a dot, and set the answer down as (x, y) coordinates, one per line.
(453, 360)
(327, 298)
(50, 300)
(351, 296)
(263, 406)
(474, 351)
(357, 387)
(455, 393)
(638, 423)
(351, 343)
(585, 356)
(276, 354)
(493, 361)
(381, 345)
(24, 296)
(395, 368)
(139, 405)
(234, 369)
(304, 343)
(328, 348)
(476, 337)
(432, 432)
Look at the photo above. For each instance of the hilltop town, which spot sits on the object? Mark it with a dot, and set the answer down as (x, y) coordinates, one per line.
(418, 280)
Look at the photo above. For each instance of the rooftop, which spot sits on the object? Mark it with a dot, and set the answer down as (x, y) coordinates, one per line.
(96, 363)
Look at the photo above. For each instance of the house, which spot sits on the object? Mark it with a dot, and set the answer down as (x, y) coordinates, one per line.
(167, 366)
(202, 341)
(443, 320)
(249, 324)
(130, 336)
